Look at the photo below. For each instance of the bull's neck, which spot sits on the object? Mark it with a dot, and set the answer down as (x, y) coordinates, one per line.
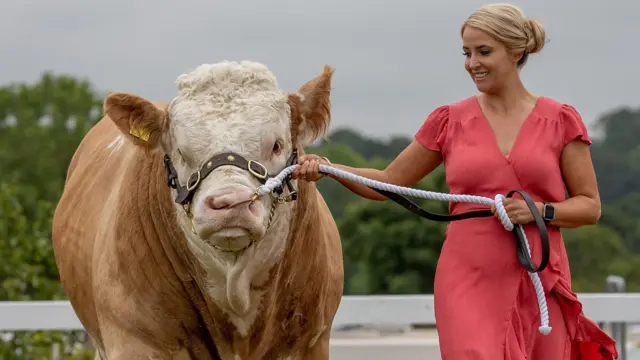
(155, 208)
(227, 290)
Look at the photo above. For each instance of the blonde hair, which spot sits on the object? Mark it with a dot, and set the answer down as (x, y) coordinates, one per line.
(508, 25)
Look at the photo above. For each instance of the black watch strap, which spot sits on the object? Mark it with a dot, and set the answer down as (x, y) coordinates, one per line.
(548, 212)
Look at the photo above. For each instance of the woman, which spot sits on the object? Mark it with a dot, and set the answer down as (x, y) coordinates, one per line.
(502, 139)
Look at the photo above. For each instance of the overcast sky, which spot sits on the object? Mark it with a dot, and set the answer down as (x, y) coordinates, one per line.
(395, 60)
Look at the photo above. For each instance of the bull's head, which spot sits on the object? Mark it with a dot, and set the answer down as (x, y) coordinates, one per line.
(228, 127)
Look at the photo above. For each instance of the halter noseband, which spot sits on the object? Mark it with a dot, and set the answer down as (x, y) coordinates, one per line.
(259, 172)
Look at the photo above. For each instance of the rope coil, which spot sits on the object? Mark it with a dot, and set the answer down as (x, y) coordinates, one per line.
(275, 181)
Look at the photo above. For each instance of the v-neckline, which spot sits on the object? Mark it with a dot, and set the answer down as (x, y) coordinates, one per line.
(509, 154)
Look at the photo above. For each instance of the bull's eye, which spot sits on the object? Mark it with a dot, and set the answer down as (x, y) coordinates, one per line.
(277, 148)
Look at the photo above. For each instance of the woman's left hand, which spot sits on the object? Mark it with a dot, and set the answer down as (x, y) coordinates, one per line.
(517, 210)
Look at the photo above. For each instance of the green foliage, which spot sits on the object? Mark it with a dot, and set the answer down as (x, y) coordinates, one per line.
(386, 249)
(616, 156)
(337, 196)
(28, 270)
(366, 147)
(622, 217)
(34, 160)
(585, 247)
(391, 251)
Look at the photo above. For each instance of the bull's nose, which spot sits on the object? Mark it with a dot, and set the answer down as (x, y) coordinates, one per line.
(227, 198)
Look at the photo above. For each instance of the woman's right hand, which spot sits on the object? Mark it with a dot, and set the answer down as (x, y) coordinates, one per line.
(309, 169)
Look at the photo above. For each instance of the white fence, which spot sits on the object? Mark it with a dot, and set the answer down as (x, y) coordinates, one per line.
(354, 310)
(369, 311)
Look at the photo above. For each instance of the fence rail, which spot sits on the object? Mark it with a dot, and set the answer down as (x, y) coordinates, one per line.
(618, 309)
(354, 310)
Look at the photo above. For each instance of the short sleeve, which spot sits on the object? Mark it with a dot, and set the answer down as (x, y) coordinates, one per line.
(573, 125)
(433, 132)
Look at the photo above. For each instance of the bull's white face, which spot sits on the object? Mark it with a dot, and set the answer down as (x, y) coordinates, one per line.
(227, 107)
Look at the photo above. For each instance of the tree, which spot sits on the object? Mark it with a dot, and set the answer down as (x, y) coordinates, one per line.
(338, 197)
(595, 252)
(622, 217)
(366, 147)
(391, 250)
(616, 156)
(40, 127)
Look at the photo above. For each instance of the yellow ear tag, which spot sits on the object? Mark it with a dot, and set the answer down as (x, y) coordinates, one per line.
(142, 134)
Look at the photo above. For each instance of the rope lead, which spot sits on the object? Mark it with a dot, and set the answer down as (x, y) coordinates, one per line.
(544, 329)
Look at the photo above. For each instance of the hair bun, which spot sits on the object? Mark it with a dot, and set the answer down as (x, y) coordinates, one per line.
(536, 36)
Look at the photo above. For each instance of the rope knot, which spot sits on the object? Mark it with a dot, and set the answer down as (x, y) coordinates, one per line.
(544, 329)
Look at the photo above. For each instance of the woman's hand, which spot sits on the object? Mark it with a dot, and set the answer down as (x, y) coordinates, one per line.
(517, 210)
(309, 169)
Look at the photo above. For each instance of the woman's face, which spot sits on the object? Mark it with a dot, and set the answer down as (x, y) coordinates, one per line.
(487, 60)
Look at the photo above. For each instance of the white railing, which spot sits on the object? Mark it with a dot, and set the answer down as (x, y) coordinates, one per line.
(354, 310)
(368, 311)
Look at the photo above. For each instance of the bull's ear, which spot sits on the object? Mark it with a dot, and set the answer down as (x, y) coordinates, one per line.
(311, 108)
(137, 118)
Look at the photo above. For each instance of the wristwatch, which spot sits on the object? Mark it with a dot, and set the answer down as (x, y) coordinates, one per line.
(548, 212)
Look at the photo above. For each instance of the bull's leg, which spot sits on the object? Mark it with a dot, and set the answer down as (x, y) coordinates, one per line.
(137, 354)
(318, 348)
(133, 349)
(98, 350)
(137, 351)
(129, 353)
(122, 345)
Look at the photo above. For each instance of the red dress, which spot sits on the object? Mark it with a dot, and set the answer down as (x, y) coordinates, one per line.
(485, 304)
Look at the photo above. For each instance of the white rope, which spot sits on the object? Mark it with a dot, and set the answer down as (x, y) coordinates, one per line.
(275, 181)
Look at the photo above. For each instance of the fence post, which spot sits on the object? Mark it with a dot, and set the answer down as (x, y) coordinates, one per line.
(617, 284)
(55, 352)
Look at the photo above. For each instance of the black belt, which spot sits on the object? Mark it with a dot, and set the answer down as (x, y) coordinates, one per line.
(521, 246)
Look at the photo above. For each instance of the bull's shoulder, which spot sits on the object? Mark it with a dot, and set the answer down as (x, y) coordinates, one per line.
(97, 134)
(103, 150)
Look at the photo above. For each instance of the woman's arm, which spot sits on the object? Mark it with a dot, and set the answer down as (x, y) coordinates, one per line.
(583, 205)
(407, 169)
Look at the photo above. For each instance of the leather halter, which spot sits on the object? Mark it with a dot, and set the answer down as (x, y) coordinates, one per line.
(259, 172)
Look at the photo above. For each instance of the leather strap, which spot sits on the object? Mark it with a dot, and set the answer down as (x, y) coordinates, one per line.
(416, 209)
(521, 246)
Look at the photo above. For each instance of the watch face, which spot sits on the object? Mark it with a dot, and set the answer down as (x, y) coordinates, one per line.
(549, 212)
